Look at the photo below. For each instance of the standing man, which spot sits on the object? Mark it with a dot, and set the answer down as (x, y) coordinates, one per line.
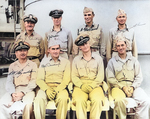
(52, 78)
(124, 76)
(61, 33)
(36, 51)
(94, 31)
(125, 32)
(87, 76)
(20, 83)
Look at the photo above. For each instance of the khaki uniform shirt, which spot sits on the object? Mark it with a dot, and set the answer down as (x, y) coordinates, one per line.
(21, 78)
(36, 44)
(54, 74)
(90, 72)
(96, 41)
(124, 72)
(128, 33)
(64, 36)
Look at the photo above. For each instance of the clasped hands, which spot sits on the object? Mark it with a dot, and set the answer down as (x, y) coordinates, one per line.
(51, 93)
(86, 88)
(128, 90)
(17, 96)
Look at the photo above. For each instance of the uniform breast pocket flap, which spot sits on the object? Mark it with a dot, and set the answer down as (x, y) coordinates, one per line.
(81, 70)
(130, 67)
(118, 68)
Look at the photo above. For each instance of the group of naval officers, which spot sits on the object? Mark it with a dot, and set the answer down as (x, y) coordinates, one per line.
(48, 64)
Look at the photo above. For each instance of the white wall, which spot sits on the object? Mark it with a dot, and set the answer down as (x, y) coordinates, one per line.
(105, 14)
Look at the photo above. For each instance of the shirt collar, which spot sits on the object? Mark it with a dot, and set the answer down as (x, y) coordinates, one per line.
(33, 33)
(59, 58)
(92, 55)
(18, 63)
(93, 25)
(128, 57)
(54, 30)
(126, 28)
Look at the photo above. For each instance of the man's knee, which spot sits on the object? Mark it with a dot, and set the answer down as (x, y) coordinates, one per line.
(63, 96)
(146, 102)
(120, 102)
(39, 101)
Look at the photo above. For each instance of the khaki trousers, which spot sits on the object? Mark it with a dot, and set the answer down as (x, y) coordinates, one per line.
(61, 101)
(141, 98)
(96, 96)
(28, 109)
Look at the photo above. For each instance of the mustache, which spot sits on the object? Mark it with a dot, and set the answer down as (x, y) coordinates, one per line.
(22, 54)
(29, 26)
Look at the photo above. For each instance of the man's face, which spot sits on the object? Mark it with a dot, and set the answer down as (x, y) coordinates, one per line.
(54, 51)
(85, 47)
(121, 47)
(121, 19)
(21, 54)
(57, 21)
(29, 26)
(88, 17)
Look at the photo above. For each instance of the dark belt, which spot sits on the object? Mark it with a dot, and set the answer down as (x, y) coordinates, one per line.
(31, 58)
(127, 81)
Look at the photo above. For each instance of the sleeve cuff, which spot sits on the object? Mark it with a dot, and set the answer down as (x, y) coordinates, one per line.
(120, 86)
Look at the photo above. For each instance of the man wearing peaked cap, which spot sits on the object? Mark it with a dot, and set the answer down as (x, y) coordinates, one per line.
(21, 45)
(94, 31)
(56, 13)
(53, 78)
(21, 81)
(128, 33)
(36, 51)
(125, 77)
(30, 18)
(81, 39)
(87, 77)
(62, 33)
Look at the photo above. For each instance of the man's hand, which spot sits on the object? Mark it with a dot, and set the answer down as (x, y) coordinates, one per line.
(89, 88)
(17, 96)
(86, 88)
(13, 97)
(131, 89)
(128, 91)
(51, 93)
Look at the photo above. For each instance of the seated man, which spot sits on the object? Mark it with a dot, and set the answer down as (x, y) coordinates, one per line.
(125, 76)
(20, 83)
(87, 76)
(52, 78)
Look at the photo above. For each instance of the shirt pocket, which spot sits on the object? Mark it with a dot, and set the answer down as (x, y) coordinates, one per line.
(95, 37)
(93, 69)
(82, 71)
(93, 72)
(130, 72)
(130, 68)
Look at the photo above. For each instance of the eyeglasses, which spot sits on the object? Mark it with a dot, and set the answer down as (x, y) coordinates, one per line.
(87, 14)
